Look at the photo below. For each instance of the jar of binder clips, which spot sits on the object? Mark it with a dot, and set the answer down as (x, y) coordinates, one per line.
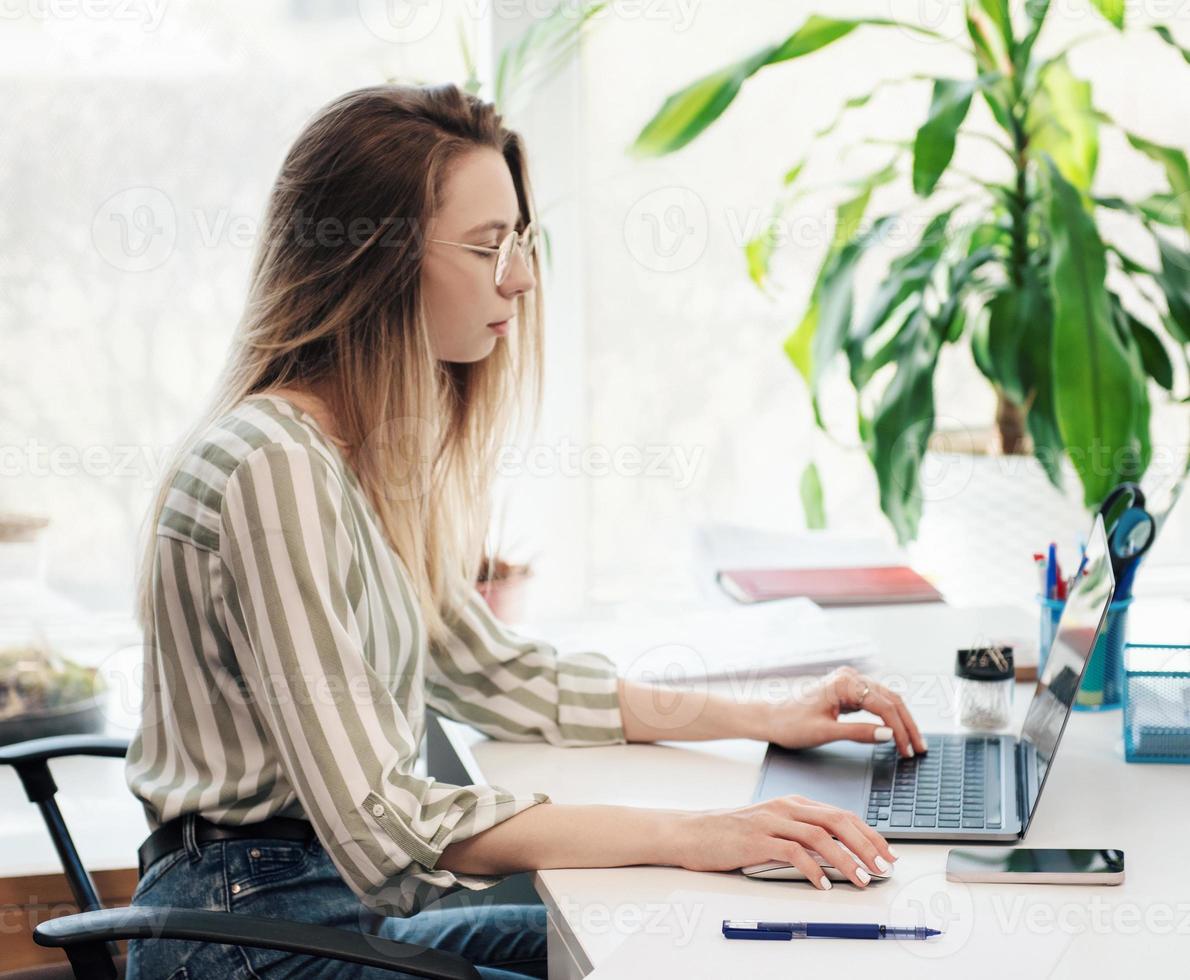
(985, 679)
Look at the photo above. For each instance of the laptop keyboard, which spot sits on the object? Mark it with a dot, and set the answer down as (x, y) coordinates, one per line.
(955, 784)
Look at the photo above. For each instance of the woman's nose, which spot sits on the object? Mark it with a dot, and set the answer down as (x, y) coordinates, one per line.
(520, 277)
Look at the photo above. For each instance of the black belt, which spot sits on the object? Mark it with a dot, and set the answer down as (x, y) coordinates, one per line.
(169, 836)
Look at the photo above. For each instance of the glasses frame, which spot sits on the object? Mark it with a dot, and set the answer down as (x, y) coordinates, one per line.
(525, 239)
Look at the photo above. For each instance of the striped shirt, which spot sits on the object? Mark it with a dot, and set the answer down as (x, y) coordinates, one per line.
(287, 668)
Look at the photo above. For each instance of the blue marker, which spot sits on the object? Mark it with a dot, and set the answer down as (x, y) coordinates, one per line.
(751, 929)
(1051, 573)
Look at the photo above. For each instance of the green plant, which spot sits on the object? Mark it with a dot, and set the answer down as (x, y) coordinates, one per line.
(1016, 265)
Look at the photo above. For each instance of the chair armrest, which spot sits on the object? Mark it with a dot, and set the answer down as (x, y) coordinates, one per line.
(41, 749)
(83, 937)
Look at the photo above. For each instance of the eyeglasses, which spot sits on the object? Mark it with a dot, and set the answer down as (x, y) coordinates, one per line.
(527, 240)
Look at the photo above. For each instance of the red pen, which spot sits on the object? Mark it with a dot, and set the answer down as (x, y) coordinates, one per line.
(1061, 596)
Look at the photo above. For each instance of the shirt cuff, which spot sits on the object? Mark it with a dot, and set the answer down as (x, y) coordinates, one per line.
(589, 701)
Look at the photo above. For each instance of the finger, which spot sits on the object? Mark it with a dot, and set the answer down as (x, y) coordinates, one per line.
(799, 857)
(819, 838)
(878, 703)
(864, 841)
(915, 734)
(855, 731)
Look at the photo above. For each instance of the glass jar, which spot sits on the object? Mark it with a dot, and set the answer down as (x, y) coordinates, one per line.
(985, 680)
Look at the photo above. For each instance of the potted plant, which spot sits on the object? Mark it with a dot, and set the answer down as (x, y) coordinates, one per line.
(43, 693)
(1016, 265)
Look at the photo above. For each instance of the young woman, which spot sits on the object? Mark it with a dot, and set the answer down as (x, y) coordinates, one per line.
(306, 589)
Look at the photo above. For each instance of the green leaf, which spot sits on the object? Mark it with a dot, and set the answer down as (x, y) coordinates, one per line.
(1153, 355)
(934, 145)
(901, 425)
(812, 502)
(1008, 323)
(1166, 35)
(1113, 10)
(1097, 404)
(1174, 281)
(1177, 172)
(1036, 12)
(689, 111)
(542, 49)
(1062, 124)
(997, 11)
(1036, 369)
(836, 299)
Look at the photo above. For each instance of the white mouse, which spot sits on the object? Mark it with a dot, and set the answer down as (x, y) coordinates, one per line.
(781, 871)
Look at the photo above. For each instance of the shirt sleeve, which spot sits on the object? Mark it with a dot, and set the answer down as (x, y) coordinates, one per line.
(287, 542)
(521, 690)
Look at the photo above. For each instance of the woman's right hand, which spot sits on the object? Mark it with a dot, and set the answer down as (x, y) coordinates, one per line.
(784, 829)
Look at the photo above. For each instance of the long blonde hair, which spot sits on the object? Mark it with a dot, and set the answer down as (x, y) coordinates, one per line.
(342, 310)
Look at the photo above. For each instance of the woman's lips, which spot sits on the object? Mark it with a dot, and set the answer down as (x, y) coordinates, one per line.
(501, 328)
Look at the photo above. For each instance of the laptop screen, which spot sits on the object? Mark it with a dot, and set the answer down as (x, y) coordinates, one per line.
(1074, 638)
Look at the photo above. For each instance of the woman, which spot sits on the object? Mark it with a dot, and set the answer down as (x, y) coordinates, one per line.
(306, 586)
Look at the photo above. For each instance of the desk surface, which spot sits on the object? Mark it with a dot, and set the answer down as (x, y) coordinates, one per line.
(1093, 799)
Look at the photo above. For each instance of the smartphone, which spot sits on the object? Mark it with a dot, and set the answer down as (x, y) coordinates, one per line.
(1035, 865)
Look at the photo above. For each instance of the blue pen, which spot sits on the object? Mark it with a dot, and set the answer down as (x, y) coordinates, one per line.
(1051, 573)
(751, 929)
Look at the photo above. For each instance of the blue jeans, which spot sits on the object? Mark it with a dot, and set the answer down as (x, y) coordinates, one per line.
(290, 880)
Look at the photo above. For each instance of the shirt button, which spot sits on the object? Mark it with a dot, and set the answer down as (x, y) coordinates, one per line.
(378, 810)
(235, 889)
(255, 852)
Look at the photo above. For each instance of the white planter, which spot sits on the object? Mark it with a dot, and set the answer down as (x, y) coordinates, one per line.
(983, 518)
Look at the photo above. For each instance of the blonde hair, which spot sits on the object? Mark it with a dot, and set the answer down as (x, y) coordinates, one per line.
(344, 312)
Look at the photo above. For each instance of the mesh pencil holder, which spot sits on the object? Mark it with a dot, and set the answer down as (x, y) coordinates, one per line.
(1102, 687)
(1156, 703)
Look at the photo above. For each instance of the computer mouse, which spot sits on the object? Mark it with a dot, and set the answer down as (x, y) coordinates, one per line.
(780, 871)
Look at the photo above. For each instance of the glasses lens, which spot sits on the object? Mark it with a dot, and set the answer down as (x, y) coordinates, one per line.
(504, 257)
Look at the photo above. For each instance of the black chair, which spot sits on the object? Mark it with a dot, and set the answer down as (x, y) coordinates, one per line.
(89, 936)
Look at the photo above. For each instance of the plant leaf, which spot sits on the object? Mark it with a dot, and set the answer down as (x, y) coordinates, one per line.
(689, 111)
(901, 425)
(1174, 282)
(1166, 35)
(1096, 399)
(934, 146)
(1113, 10)
(812, 502)
(1036, 12)
(1154, 358)
(1177, 172)
(1062, 124)
(1036, 369)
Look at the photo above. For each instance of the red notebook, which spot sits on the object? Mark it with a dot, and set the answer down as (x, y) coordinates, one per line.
(830, 586)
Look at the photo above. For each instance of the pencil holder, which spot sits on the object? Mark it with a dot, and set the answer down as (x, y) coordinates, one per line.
(1102, 687)
(1156, 703)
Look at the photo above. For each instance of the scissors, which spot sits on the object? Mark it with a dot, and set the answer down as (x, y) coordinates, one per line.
(1134, 534)
(1126, 495)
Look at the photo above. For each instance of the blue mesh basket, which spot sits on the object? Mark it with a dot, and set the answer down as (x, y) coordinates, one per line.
(1156, 703)
(1102, 686)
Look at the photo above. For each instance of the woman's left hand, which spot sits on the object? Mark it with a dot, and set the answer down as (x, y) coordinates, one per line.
(813, 717)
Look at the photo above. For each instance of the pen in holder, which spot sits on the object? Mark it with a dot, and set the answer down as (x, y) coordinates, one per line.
(1102, 686)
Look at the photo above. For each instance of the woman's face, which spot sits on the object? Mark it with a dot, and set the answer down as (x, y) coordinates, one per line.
(459, 287)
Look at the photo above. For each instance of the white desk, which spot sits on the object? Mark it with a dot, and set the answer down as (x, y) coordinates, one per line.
(1093, 799)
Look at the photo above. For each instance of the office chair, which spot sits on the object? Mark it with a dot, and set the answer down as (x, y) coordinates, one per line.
(88, 936)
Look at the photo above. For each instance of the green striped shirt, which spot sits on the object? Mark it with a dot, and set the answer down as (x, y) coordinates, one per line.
(287, 670)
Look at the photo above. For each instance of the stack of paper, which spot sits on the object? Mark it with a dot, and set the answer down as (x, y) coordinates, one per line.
(779, 638)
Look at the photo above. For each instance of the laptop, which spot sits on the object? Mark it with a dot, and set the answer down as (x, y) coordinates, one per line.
(965, 786)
